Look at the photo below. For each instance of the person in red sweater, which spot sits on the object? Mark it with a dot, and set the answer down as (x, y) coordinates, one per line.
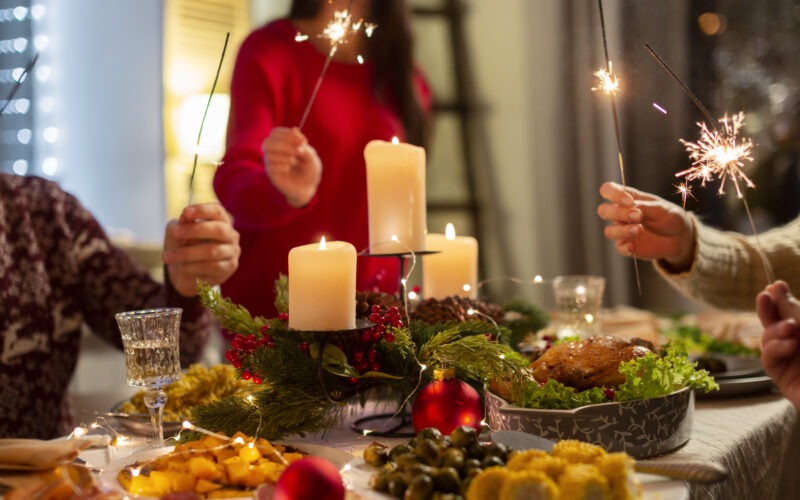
(287, 187)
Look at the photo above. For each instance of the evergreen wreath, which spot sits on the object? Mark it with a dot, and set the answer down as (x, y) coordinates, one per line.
(303, 381)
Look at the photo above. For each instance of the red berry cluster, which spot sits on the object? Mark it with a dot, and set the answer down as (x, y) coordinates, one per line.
(365, 354)
(242, 347)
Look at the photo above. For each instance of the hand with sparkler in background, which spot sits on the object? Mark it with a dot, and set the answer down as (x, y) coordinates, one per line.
(292, 164)
(715, 267)
(779, 312)
(308, 92)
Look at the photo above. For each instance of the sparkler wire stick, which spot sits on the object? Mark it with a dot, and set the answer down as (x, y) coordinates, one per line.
(205, 113)
(710, 119)
(727, 156)
(613, 102)
(17, 85)
(342, 22)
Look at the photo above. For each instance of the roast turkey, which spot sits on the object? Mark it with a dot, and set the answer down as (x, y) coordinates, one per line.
(593, 362)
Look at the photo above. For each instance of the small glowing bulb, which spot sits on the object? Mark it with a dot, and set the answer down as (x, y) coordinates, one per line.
(135, 472)
(423, 367)
(589, 318)
(360, 59)
(580, 290)
(467, 287)
(251, 445)
(250, 399)
(538, 278)
(470, 311)
(403, 281)
(187, 425)
(412, 295)
(300, 37)
(366, 432)
(502, 356)
(79, 432)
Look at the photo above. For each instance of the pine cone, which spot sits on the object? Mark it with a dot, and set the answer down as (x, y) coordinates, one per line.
(455, 308)
(366, 299)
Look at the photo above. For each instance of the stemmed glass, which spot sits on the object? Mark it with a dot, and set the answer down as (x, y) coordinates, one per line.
(150, 341)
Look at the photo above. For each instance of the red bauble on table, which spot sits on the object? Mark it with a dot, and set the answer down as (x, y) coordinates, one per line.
(447, 403)
(310, 478)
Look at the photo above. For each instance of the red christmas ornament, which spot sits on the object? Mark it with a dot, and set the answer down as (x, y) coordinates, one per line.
(310, 478)
(447, 403)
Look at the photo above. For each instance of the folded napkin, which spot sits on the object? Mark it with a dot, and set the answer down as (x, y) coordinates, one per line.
(35, 454)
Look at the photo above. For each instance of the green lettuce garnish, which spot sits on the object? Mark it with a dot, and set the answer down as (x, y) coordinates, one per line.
(650, 376)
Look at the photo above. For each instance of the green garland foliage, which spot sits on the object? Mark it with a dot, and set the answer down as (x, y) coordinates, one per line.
(309, 379)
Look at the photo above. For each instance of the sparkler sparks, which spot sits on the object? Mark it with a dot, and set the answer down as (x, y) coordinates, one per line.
(685, 191)
(607, 80)
(720, 154)
(336, 32)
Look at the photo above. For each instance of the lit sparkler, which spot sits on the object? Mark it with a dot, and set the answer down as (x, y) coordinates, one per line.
(685, 191)
(336, 32)
(721, 154)
(718, 154)
(609, 83)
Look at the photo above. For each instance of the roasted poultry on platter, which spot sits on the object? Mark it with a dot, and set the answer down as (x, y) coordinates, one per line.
(593, 362)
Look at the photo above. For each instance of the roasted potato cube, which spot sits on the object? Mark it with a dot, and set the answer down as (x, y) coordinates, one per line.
(204, 468)
(204, 486)
(237, 470)
(249, 453)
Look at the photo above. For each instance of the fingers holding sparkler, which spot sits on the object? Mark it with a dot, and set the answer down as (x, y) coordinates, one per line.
(646, 226)
(292, 165)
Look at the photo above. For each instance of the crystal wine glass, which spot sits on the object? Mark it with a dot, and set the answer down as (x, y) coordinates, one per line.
(150, 341)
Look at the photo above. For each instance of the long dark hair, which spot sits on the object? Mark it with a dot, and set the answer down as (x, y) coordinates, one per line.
(391, 50)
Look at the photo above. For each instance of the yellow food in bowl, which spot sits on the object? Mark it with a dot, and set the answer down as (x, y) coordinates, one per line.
(197, 386)
(211, 467)
(574, 470)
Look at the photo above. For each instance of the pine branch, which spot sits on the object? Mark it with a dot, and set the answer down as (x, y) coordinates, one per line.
(230, 316)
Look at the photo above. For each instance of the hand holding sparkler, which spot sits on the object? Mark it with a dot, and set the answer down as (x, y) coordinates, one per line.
(292, 165)
(648, 227)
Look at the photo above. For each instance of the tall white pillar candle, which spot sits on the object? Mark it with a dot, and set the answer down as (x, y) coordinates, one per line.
(452, 271)
(322, 286)
(395, 197)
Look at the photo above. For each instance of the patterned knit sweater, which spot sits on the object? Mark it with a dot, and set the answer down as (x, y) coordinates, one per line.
(58, 271)
(727, 271)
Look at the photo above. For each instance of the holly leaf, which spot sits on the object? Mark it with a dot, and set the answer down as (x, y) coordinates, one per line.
(334, 360)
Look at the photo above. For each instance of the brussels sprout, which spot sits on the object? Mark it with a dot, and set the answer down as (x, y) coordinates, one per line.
(463, 436)
(375, 455)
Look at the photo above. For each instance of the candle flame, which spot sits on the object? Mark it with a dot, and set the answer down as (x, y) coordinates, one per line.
(450, 231)
(322, 245)
(395, 140)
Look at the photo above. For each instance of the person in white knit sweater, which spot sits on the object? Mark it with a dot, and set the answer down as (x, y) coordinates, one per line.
(719, 268)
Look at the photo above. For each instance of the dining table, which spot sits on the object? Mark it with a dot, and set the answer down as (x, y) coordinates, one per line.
(755, 437)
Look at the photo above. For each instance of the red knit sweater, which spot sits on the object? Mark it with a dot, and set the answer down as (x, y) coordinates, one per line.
(272, 82)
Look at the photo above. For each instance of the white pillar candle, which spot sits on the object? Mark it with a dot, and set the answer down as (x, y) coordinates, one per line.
(395, 197)
(322, 286)
(453, 271)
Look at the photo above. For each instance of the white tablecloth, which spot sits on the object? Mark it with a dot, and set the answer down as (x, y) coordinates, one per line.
(756, 438)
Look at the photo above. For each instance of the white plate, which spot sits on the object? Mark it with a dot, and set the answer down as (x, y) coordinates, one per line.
(108, 476)
(356, 476)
